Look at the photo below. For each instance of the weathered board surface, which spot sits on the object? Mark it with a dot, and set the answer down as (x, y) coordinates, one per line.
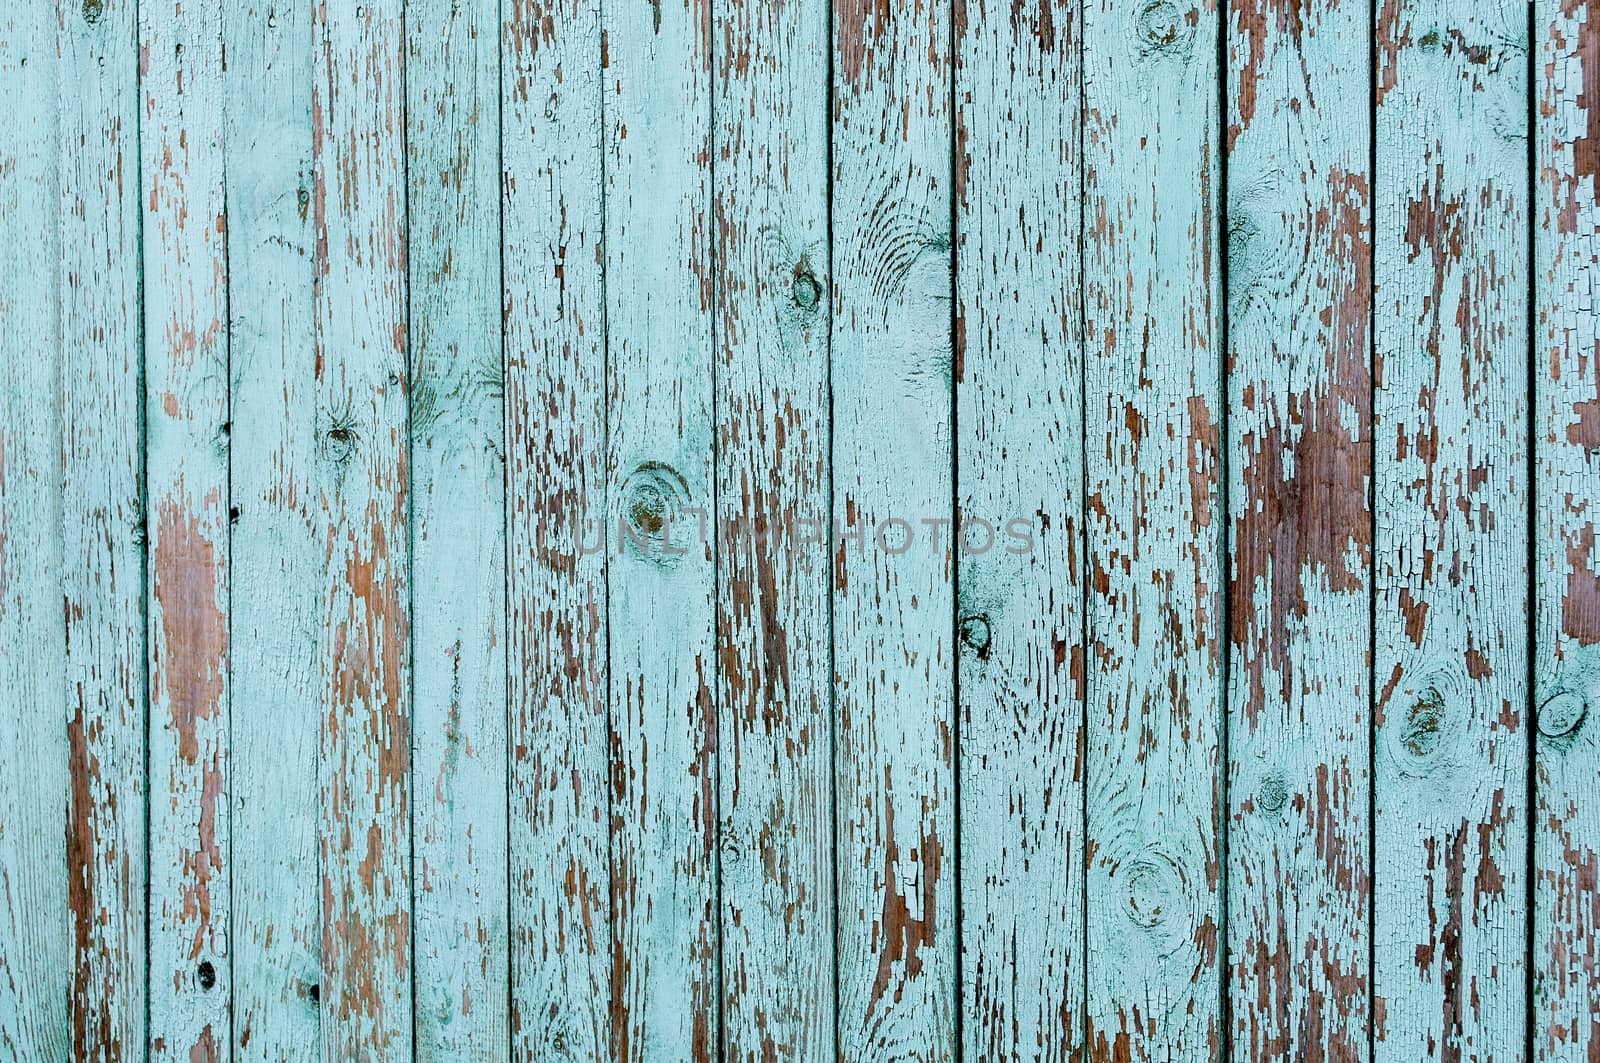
(275, 551)
(893, 597)
(558, 781)
(1153, 469)
(1450, 550)
(1299, 459)
(1566, 563)
(35, 965)
(458, 572)
(363, 384)
(933, 529)
(1019, 447)
(774, 733)
(186, 391)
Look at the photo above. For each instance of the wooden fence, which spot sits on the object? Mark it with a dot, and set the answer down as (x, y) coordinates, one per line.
(799, 530)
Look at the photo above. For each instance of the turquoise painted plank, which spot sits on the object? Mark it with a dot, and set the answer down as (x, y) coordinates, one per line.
(186, 487)
(276, 563)
(1019, 387)
(1153, 407)
(656, 70)
(362, 394)
(893, 602)
(1451, 549)
(35, 945)
(1300, 529)
(103, 522)
(555, 395)
(774, 735)
(1566, 592)
(458, 569)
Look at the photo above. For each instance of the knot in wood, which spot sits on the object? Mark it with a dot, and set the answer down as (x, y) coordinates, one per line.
(1562, 714)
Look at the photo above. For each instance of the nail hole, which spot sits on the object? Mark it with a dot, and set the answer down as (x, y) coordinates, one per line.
(207, 974)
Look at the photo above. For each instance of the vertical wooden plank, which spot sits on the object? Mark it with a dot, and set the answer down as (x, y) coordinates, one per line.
(1020, 469)
(1451, 476)
(187, 492)
(658, 284)
(359, 202)
(34, 964)
(1152, 394)
(1300, 460)
(1566, 594)
(775, 706)
(555, 503)
(458, 529)
(103, 519)
(276, 566)
(893, 604)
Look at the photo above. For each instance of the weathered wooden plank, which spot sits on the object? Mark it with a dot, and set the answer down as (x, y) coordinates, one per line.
(1451, 546)
(187, 491)
(276, 564)
(1566, 591)
(1299, 471)
(893, 603)
(1019, 447)
(34, 935)
(774, 681)
(1152, 396)
(658, 304)
(458, 572)
(103, 522)
(358, 160)
(555, 499)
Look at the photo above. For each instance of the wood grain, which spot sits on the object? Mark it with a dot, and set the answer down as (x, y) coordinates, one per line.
(35, 968)
(1019, 446)
(186, 482)
(276, 550)
(775, 725)
(1300, 543)
(359, 204)
(555, 517)
(1154, 468)
(1451, 547)
(1566, 588)
(893, 601)
(103, 526)
(665, 998)
(458, 569)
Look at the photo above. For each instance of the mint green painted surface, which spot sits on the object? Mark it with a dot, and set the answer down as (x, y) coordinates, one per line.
(458, 568)
(1299, 449)
(1154, 466)
(1019, 445)
(775, 769)
(186, 390)
(1450, 553)
(443, 450)
(275, 549)
(1566, 574)
(892, 356)
(35, 957)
